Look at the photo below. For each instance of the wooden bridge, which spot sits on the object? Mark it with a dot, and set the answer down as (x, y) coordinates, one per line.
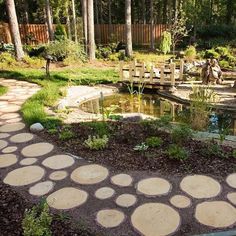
(168, 75)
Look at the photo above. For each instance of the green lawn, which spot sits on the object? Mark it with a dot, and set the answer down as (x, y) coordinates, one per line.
(52, 88)
(3, 90)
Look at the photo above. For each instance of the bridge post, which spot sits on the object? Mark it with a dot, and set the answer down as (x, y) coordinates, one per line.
(121, 70)
(162, 75)
(172, 74)
(151, 74)
(181, 69)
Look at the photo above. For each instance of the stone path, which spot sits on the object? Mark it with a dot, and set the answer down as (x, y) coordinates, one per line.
(135, 203)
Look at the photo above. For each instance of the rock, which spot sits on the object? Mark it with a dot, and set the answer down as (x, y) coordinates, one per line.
(62, 105)
(37, 127)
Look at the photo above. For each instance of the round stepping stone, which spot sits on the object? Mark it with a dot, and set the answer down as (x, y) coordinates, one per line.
(7, 160)
(232, 197)
(28, 161)
(4, 135)
(180, 201)
(126, 200)
(9, 149)
(21, 138)
(122, 180)
(89, 174)
(104, 193)
(14, 120)
(11, 108)
(3, 144)
(58, 162)
(231, 180)
(200, 186)
(110, 218)
(37, 149)
(217, 214)
(152, 219)
(58, 175)
(12, 127)
(153, 187)
(42, 188)
(67, 198)
(24, 176)
(10, 116)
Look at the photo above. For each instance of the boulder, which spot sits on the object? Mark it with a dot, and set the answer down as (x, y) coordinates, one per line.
(37, 127)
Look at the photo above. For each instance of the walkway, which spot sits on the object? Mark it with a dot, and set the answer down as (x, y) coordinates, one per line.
(135, 203)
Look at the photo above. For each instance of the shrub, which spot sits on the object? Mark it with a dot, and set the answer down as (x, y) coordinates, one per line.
(190, 53)
(154, 142)
(66, 134)
(181, 133)
(96, 142)
(176, 152)
(223, 51)
(60, 33)
(33, 61)
(141, 147)
(165, 42)
(224, 64)
(37, 221)
(7, 58)
(211, 53)
(164, 121)
(99, 128)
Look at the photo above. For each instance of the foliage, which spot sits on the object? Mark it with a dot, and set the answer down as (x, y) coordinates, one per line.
(190, 53)
(166, 42)
(60, 33)
(182, 133)
(37, 221)
(141, 147)
(7, 59)
(66, 134)
(3, 90)
(154, 142)
(164, 121)
(174, 151)
(33, 62)
(96, 142)
(99, 128)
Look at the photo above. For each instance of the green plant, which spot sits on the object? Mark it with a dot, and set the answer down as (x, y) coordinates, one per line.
(96, 142)
(182, 133)
(37, 221)
(212, 149)
(165, 42)
(109, 111)
(141, 147)
(154, 142)
(190, 53)
(60, 32)
(164, 121)
(234, 153)
(66, 134)
(99, 128)
(3, 90)
(176, 152)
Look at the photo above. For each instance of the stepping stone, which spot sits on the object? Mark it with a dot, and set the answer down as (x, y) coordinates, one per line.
(3, 144)
(13, 120)
(11, 108)
(231, 180)
(152, 219)
(67, 198)
(104, 193)
(21, 138)
(153, 187)
(110, 218)
(58, 162)
(41, 188)
(217, 214)
(3, 104)
(232, 197)
(200, 186)
(89, 174)
(28, 161)
(12, 127)
(180, 201)
(24, 176)
(7, 160)
(6, 98)
(58, 175)
(4, 135)
(37, 149)
(9, 149)
(122, 180)
(126, 200)
(10, 116)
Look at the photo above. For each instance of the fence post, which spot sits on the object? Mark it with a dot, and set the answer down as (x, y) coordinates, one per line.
(142, 72)
(121, 70)
(131, 73)
(134, 65)
(181, 69)
(151, 74)
(162, 75)
(172, 74)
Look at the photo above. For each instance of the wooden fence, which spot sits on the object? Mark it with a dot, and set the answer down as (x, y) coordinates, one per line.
(37, 33)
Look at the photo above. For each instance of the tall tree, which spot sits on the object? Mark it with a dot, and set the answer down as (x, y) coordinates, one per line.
(91, 40)
(49, 20)
(85, 23)
(128, 33)
(74, 21)
(152, 26)
(14, 27)
(68, 23)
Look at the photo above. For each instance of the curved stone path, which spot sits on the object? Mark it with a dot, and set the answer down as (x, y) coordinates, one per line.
(135, 203)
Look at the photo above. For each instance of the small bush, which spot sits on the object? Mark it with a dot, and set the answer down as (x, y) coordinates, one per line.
(211, 53)
(164, 121)
(190, 53)
(165, 42)
(66, 135)
(33, 61)
(7, 59)
(60, 33)
(176, 152)
(181, 134)
(141, 147)
(37, 221)
(224, 64)
(154, 142)
(96, 142)
(99, 128)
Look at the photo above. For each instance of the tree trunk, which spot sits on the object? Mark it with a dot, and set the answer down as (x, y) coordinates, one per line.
(74, 21)
(14, 27)
(144, 11)
(97, 21)
(85, 24)
(109, 16)
(91, 40)
(128, 28)
(68, 23)
(230, 11)
(49, 20)
(26, 11)
(152, 26)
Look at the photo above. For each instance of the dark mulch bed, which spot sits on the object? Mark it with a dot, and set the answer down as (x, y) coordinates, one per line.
(121, 156)
(12, 208)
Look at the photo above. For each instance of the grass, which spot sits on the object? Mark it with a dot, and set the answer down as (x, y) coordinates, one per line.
(3, 90)
(33, 110)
